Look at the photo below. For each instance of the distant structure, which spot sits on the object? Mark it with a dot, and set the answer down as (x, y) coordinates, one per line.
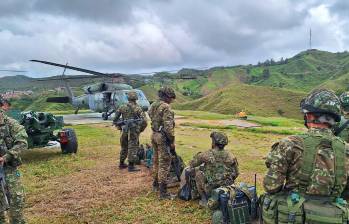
(310, 39)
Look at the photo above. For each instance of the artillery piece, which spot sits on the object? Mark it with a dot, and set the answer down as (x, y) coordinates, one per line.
(42, 130)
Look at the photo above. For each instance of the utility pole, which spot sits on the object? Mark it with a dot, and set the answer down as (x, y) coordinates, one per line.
(310, 39)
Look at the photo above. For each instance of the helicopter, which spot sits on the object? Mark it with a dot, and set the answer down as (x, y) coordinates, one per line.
(103, 97)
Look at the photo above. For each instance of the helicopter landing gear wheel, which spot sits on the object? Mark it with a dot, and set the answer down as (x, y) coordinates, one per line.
(105, 116)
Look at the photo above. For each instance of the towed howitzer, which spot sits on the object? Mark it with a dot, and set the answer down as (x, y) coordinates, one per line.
(175, 161)
(5, 194)
(126, 124)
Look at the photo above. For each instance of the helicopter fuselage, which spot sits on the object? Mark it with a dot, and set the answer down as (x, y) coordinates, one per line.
(107, 101)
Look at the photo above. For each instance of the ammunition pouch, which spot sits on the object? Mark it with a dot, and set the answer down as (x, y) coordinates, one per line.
(292, 208)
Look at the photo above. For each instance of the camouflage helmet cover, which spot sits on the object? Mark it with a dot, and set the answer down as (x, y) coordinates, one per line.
(132, 96)
(3, 101)
(219, 138)
(322, 101)
(344, 98)
(167, 92)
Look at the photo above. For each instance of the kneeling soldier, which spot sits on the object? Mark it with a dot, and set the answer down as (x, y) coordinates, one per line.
(214, 168)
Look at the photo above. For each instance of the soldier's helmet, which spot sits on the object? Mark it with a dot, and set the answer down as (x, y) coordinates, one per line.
(167, 92)
(322, 101)
(344, 98)
(3, 101)
(219, 138)
(132, 96)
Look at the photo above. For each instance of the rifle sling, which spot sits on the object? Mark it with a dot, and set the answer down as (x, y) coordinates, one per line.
(341, 128)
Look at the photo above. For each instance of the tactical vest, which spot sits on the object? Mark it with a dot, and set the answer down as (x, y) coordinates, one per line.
(156, 116)
(6, 140)
(217, 172)
(298, 206)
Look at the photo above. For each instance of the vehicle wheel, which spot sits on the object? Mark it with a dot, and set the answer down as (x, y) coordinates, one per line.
(72, 145)
(105, 116)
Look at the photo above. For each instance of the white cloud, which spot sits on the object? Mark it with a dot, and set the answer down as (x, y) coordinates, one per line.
(143, 35)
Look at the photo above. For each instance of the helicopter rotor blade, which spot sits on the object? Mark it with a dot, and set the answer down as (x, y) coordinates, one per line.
(10, 70)
(79, 69)
(68, 78)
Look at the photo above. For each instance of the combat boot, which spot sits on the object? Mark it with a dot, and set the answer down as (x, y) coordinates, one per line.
(122, 165)
(163, 192)
(204, 199)
(155, 186)
(132, 168)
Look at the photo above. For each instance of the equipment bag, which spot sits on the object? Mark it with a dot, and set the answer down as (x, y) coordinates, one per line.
(185, 191)
(236, 205)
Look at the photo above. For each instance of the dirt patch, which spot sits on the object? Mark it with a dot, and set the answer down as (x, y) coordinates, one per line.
(80, 192)
(234, 122)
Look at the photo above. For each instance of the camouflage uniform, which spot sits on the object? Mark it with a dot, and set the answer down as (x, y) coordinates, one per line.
(13, 139)
(314, 164)
(344, 134)
(129, 139)
(285, 161)
(216, 167)
(163, 126)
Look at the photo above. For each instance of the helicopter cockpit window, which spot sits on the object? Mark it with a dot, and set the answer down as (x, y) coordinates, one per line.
(140, 95)
(124, 97)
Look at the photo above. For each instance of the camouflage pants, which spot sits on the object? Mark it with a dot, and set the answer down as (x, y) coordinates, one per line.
(129, 142)
(161, 159)
(15, 215)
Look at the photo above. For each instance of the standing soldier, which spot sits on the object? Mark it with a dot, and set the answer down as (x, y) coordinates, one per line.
(13, 140)
(163, 139)
(307, 174)
(342, 130)
(131, 120)
(214, 168)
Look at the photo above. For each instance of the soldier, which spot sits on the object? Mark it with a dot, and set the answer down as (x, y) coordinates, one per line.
(163, 139)
(214, 168)
(5, 104)
(309, 170)
(129, 139)
(342, 130)
(13, 140)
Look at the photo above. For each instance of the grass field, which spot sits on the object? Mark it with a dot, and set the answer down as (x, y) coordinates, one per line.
(89, 188)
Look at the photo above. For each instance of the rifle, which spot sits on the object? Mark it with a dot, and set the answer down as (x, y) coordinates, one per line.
(338, 130)
(175, 160)
(254, 200)
(127, 124)
(5, 202)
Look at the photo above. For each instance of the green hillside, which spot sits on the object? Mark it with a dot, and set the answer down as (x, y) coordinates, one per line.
(151, 93)
(256, 100)
(272, 79)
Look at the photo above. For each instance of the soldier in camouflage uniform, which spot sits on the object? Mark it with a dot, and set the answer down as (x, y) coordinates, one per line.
(214, 168)
(314, 164)
(13, 139)
(129, 139)
(343, 125)
(163, 139)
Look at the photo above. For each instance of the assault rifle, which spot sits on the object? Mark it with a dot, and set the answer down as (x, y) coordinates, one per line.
(5, 195)
(175, 160)
(128, 123)
(338, 130)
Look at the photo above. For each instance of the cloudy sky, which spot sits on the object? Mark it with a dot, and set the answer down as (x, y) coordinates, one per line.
(142, 35)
